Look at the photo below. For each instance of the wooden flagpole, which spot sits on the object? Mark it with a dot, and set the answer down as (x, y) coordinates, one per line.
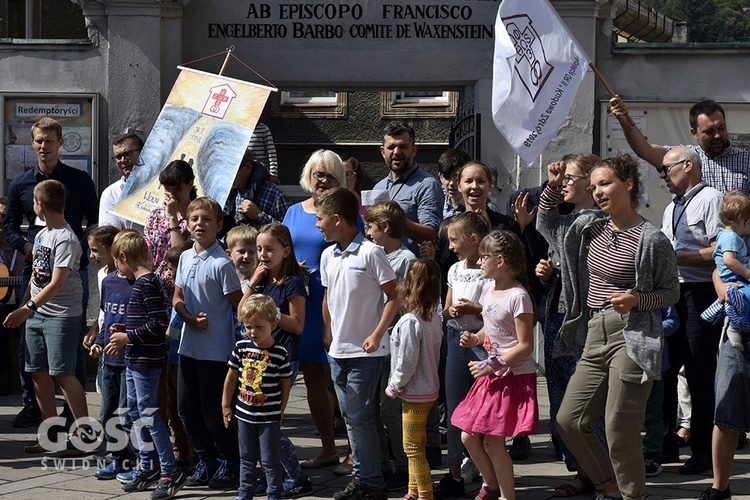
(600, 77)
(226, 59)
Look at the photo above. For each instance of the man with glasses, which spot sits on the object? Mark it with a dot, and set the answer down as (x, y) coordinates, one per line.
(418, 192)
(692, 221)
(126, 149)
(724, 167)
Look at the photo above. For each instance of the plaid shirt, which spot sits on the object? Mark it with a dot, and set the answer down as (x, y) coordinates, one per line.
(726, 171)
(271, 201)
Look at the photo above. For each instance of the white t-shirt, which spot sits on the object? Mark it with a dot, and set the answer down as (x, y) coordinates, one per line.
(353, 278)
(465, 283)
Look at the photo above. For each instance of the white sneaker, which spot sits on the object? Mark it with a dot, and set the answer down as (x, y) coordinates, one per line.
(469, 471)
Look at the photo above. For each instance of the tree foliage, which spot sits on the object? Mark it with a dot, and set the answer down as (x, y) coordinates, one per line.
(709, 20)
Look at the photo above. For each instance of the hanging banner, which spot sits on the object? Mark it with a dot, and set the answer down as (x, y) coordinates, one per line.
(207, 121)
(538, 67)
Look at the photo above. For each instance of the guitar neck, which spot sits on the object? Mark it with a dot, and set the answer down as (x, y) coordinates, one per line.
(11, 281)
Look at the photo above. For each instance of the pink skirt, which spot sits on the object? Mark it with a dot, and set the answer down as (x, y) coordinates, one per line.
(499, 406)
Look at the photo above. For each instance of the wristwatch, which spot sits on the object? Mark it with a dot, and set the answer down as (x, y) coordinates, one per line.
(31, 305)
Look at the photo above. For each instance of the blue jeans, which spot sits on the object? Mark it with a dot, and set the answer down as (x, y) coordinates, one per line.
(733, 386)
(114, 397)
(143, 408)
(458, 381)
(260, 441)
(355, 381)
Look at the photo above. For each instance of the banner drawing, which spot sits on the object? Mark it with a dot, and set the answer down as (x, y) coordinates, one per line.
(207, 121)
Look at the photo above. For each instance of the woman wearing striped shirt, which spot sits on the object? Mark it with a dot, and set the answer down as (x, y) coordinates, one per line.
(618, 272)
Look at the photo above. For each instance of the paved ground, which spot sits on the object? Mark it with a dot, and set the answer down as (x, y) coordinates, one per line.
(36, 477)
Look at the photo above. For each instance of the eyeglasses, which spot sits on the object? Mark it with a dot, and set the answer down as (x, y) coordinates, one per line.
(351, 173)
(125, 154)
(321, 176)
(569, 179)
(485, 256)
(666, 167)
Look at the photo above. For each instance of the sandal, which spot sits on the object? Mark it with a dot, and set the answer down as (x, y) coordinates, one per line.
(571, 490)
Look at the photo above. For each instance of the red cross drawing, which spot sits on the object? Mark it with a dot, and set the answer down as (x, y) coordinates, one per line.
(219, 99)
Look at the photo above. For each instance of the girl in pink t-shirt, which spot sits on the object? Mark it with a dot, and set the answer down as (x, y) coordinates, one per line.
(502, 402)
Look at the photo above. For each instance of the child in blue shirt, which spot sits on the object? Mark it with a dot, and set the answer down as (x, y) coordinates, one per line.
(206, 290)
(114, 295)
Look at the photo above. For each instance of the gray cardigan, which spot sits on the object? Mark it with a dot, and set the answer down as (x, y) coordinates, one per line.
(655, 268)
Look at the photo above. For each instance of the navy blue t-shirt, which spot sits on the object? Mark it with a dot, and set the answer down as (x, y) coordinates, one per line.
(281, 295)
(114, 302)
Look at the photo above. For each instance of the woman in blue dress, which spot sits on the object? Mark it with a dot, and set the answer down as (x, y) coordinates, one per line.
(322, 171)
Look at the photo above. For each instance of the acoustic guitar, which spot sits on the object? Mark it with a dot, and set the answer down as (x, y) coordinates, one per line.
(7, 282)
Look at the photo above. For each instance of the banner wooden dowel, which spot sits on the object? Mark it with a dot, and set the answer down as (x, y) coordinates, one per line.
(609, 89)
(226, 59)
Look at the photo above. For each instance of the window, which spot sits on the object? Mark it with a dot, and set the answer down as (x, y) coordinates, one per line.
(42, 19)
(423, 104)
(310, 104)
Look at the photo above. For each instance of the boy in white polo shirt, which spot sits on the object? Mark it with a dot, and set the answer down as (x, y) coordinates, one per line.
(356, 275)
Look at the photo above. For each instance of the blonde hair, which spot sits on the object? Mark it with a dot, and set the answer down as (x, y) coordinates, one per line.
(387, 211)
(51, 194)
(258, 305)
(735, 209)
(206, 203)
(328, 161)
(471, 222)
(47, 124)
(241, 234)
(132, 245)
(420, 290)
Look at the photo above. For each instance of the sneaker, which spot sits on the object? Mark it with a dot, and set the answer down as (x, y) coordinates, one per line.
(227, 476)
(110, 471)
(347, 492)
(469, 471)
(485, 493)
(520, 448)
(448, 488)
(362, 492)
(714, 494)
(653, 467)
(168, 486)
(396, 480)
(125, 477)
(294, 488)
(142, 479)
(203, 472)
(28, 416)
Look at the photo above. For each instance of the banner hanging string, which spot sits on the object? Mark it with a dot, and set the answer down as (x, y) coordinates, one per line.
(229, 53)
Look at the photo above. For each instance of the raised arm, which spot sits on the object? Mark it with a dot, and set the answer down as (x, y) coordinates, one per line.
(652, 153)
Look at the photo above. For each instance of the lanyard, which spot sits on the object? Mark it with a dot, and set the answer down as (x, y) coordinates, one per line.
(676, 223)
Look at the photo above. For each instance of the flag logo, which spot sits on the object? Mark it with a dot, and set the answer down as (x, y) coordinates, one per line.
(531, 63)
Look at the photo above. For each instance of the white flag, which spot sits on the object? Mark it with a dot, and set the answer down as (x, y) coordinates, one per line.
(538, 67)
